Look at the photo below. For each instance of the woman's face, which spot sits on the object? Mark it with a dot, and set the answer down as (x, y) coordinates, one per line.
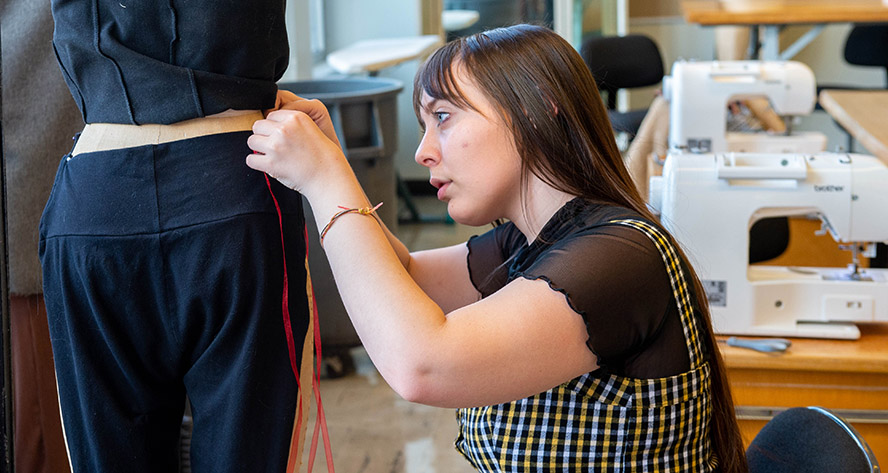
(471, 157)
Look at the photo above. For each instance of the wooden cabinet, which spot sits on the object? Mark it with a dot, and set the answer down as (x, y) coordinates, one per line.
(848, 377)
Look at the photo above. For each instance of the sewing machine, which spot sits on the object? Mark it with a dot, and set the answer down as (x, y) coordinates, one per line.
(709, 203)
(699, 94)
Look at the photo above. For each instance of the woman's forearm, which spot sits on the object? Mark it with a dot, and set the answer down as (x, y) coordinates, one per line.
(396, 321)
(400, 250)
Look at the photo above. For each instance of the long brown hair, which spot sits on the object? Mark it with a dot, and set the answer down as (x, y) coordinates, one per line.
(545, 92)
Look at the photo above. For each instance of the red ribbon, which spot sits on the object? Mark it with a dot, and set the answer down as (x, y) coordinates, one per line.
(291, 348)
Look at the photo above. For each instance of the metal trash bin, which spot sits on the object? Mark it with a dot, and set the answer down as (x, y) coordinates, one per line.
(364, 114)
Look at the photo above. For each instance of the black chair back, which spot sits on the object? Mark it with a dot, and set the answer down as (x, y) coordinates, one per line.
(811, 440)
(622, 62)
(867, 45)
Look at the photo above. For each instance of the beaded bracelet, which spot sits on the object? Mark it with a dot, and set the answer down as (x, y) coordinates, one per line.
(346, 210)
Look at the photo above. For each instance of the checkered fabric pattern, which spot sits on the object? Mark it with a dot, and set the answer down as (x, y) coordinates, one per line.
(607, 423)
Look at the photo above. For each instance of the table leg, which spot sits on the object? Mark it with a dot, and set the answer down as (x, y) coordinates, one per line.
(752, 50)
(771, 43)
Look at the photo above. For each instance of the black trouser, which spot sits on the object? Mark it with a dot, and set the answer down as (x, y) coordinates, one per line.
(163, 277)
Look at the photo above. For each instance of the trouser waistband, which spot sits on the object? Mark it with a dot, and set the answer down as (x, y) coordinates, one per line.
(107, 136)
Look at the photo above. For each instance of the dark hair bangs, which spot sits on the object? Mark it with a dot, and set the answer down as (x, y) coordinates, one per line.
(436, 79)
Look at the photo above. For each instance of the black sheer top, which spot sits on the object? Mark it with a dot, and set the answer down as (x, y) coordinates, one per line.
(612, 275)
(164, 62)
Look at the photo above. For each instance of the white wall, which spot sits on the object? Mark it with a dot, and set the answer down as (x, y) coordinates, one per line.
(349, 21)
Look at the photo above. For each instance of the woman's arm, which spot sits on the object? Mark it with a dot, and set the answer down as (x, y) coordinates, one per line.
(520, 341)
(315, 109)
(441, 273)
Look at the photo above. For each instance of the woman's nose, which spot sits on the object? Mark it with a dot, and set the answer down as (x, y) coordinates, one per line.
(428, 153)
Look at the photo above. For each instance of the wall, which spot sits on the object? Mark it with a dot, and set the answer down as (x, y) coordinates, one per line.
(349, 21)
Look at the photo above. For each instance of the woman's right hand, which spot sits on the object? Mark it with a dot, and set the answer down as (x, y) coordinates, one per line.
(314, 108)
(291, 147)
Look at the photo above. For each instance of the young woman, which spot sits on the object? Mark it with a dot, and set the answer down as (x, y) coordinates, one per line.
(575, 337)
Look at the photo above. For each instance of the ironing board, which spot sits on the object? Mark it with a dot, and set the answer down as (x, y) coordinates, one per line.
(372, 55)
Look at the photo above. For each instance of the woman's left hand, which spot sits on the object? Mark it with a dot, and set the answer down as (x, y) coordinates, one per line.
(291, 147)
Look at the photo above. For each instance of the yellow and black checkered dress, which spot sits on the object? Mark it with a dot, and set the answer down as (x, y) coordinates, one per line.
(608, 423)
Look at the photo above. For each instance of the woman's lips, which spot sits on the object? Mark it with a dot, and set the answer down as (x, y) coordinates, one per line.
(441, 190)
(439, 184)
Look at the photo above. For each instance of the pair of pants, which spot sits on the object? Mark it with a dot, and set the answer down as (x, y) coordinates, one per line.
(163, 277)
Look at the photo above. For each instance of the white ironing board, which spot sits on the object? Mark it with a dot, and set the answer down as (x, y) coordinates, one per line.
(453, 20)
(372, 55)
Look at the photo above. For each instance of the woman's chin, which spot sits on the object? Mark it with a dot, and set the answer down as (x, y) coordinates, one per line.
(465, 217)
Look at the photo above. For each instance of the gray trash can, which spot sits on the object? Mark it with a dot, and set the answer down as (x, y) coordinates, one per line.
(364, 114)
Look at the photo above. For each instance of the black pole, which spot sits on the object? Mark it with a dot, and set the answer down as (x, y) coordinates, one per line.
(6, 414)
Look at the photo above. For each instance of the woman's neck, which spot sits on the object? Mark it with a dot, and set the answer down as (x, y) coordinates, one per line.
(538, 204)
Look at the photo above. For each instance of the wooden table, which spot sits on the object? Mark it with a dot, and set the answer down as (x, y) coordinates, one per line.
(848, 377)
(773, 15)
(863, 114)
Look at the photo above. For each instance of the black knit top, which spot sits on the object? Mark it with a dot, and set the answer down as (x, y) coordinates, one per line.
(612, 275)
(162, 62)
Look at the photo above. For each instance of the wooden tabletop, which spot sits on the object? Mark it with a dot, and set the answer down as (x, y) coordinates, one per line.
(782, 12)
(864, 113)
(869, 354)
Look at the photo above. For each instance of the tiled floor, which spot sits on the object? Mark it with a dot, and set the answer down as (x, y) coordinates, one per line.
(373, 430)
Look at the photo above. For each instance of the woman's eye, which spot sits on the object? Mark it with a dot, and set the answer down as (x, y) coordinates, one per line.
(441, 116)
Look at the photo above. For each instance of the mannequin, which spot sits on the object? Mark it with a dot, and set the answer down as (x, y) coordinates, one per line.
(170, 268)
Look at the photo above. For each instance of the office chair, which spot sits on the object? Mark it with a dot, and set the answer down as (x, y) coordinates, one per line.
(867, 45)
(809, 439)
(623, 62)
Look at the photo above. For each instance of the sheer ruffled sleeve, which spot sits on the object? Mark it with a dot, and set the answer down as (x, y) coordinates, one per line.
(489, 256)
(614, 277)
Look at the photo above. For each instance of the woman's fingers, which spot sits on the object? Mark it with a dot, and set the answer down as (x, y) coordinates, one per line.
(317, 111)
(258, 142)
(290, 147)
(285, 96)
(282, 98)
(260, 162)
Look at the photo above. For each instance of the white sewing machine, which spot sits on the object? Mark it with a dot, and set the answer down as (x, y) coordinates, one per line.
(699, 93)
(709, 203)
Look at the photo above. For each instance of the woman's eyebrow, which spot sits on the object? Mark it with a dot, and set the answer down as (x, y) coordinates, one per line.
(429, 107)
